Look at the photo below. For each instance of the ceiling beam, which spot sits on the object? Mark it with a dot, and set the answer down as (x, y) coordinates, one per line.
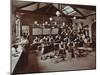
(93, 8)
(38, 5)
(58, 10)
(61, 7)
(26, 5)
(48, 7)
(31, 12)
(90, 15)
(24, 11)
(69, 16)
(40, 8)
(58, 6)
(78, 11)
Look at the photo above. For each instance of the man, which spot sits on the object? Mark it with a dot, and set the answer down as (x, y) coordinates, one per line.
(62, 52)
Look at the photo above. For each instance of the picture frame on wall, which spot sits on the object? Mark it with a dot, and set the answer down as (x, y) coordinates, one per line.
(52, 37)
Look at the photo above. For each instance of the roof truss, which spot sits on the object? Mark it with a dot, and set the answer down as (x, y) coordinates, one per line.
(59, 8)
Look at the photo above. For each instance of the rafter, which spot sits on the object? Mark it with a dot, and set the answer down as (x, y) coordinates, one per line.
(61, 7)
(58, 6)
(24, 11)
(49, 14)
(26, 5)
(38, 11)
(78, 11)
(88, 7)
(48, 7)
(90, 15)
(69, 15)
(38, 5)
(40, 8)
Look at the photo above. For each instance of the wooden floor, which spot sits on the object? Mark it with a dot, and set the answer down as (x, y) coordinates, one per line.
(36, 65)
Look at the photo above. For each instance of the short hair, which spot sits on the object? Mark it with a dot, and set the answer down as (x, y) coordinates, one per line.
(24, 36)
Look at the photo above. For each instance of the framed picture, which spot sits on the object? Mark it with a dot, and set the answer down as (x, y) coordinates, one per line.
(25, 29)
(46, 31)
(37, 31)
(52, 37)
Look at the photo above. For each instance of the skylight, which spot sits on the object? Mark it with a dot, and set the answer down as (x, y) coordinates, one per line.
(68, 10)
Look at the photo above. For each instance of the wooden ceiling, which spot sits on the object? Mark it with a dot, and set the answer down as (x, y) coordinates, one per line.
(82, 11)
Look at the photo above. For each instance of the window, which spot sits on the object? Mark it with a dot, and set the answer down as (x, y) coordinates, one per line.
(68, 10)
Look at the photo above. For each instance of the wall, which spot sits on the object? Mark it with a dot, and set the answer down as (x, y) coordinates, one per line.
(88, 21)
(28, 20)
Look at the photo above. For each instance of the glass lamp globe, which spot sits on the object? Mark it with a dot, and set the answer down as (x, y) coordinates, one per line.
(58, 13)
(74, 18)
(50, 18)
(35, 22)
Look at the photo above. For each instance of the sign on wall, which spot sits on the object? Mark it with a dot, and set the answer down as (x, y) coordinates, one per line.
(46, 31)
(25, 29)
(55, 31)
(36, 31)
